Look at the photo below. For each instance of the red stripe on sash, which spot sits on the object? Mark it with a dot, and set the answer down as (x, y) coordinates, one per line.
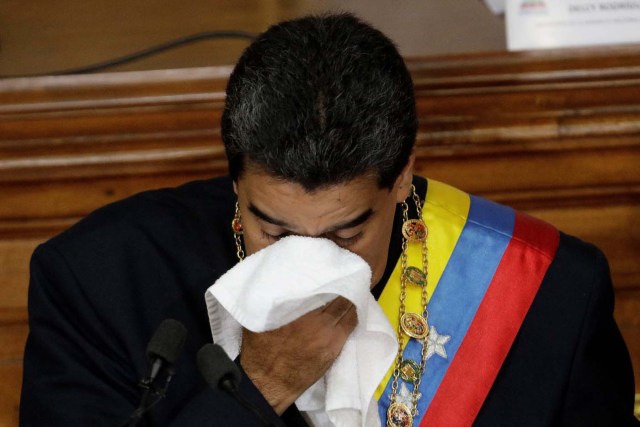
(495, 325)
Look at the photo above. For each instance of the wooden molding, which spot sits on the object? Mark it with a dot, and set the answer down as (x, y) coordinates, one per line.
(554, 133)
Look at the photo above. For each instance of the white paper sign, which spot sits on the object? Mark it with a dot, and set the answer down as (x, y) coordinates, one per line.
(538, 24)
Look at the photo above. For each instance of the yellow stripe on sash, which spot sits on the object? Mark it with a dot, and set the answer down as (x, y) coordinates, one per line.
(445, 213)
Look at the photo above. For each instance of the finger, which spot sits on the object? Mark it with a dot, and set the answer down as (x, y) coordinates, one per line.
(348, 320)
(337, 308)
(350, 310)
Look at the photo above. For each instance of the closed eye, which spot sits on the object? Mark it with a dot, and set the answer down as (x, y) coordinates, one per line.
(340, 241)
(274, 238)
(346, 241)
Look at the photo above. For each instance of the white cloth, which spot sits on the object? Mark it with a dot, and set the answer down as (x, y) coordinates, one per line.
(288, 279)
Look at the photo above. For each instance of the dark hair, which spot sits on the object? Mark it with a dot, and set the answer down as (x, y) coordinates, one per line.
(319, 101)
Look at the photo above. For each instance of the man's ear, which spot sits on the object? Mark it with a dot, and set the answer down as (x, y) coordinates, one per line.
(405, 179)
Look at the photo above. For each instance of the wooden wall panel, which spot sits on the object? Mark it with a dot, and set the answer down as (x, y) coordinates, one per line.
(13, 333)
(11, 374)
(556, 134)
(14, 256)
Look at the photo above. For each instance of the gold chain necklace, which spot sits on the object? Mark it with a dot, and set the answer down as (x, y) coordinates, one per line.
(415, 325)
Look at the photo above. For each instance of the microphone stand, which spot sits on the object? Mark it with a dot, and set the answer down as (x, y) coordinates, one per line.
(149, 387)
(163, 350)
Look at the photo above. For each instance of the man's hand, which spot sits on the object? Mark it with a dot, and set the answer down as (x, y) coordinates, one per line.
(285, 362)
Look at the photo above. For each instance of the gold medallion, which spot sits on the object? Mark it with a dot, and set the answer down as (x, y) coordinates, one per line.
(236, 225)
(415, 276)
(414, 325)
(414, 230)
(409, 371)
(399, 415)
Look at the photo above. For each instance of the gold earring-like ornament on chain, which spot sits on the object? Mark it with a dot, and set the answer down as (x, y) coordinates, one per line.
(236, 222)
(236, 227)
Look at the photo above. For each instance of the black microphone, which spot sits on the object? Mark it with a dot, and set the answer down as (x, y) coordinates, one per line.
(221, 373)
(162, 351)
(165, 346)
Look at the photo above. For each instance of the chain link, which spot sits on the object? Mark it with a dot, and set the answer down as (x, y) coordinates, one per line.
(238, 236)
(239, 250)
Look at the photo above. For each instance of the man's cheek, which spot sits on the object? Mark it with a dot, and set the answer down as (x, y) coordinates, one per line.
(254, 243)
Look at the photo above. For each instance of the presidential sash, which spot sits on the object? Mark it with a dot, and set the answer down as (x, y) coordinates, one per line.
(486, 263)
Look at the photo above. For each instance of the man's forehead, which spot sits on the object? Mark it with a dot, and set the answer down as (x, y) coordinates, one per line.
(256, 179)
(310, 184)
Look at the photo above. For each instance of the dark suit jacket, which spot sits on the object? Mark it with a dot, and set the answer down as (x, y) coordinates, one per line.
(99, 290)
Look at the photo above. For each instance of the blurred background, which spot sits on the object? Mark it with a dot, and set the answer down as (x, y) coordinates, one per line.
(555, 133)
(39, 36)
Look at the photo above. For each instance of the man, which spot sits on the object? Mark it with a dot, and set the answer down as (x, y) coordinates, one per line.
(501, 320)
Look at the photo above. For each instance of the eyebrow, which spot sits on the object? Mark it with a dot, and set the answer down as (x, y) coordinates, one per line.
(360, 219)
(263, 216)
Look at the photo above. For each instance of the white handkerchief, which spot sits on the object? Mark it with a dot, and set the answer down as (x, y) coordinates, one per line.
(288, 279)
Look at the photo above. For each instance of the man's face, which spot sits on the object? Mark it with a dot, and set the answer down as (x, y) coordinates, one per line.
(357, 215)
